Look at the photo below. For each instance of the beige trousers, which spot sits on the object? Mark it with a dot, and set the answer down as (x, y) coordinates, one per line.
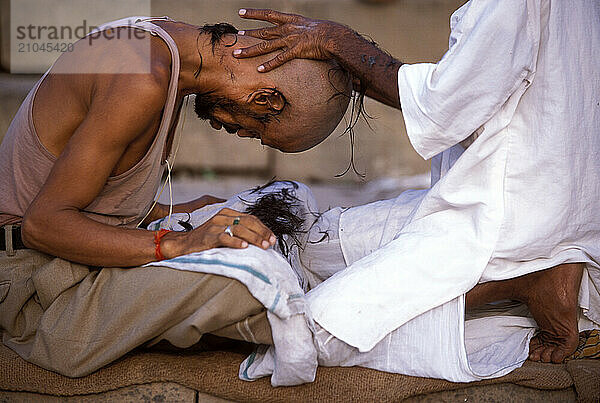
(73, 320)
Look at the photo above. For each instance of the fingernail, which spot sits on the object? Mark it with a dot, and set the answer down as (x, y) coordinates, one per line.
(242, 11)
(237, 52)
(265, 244)
(244, 244)
(241, 32)
(261, 68)
(272, 239)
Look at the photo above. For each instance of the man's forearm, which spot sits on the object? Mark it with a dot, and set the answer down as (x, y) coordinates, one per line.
(158, 211)
(83, 240)
(375, 69)
(69, 234)
(162, 210)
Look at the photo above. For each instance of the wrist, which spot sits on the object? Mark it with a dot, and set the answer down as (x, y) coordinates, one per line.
(339, 39)
(337, 35)
(170, 245)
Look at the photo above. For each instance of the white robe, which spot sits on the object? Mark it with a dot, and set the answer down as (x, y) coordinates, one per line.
(523, 197)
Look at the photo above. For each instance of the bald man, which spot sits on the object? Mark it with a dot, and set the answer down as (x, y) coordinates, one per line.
(79, 169)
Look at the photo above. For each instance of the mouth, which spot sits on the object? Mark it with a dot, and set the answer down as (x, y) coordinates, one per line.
(231, 129)
(245, 133)
(239, 130)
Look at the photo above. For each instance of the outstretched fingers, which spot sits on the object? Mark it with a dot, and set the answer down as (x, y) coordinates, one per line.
(277, 61)
(249, 235)
(265, 33)
(248, 228)
(272, 16)
(261, 48)
(299, 37)
(224, 239)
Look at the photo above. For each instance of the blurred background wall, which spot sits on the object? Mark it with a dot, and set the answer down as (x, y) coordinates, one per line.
(411, 30)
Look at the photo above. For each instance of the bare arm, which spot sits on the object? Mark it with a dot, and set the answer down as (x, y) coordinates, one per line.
(54, 222)
(303, 38)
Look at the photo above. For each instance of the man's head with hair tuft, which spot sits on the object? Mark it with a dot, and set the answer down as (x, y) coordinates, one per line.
(292, 108)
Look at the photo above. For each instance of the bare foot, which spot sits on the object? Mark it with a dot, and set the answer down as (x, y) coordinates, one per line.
(551, 296)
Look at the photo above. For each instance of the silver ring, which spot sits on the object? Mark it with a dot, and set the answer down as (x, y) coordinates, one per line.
(228, 231)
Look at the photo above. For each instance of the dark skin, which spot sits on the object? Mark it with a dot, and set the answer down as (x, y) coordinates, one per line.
(551, 294)
(305, 38)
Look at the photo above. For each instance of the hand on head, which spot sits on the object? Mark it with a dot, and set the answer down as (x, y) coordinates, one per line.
(291, 108)
(298, 36)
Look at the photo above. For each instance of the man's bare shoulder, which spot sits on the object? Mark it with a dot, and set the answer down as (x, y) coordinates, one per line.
(116, 70)
(150, 88)
(129, 98)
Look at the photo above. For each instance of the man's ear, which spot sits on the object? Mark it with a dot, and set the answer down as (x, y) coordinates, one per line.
(269, 99)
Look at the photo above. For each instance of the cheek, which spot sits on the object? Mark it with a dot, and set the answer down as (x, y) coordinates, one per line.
(251, 123)
(222, 116)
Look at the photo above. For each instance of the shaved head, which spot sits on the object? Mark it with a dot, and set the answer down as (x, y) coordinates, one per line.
(297, 105)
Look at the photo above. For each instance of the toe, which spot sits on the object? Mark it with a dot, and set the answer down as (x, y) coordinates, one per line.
(534, 353)
(534, 343)
(558, 355)
(535, 348)
(546, 354)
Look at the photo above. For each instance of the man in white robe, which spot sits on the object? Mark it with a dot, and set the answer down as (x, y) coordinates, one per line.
(511, 117)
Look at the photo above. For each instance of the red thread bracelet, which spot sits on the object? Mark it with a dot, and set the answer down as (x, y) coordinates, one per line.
(157, 237)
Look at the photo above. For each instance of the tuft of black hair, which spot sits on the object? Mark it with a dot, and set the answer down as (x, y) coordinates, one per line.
(279, 212)
(217, 32)
(271, 182)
